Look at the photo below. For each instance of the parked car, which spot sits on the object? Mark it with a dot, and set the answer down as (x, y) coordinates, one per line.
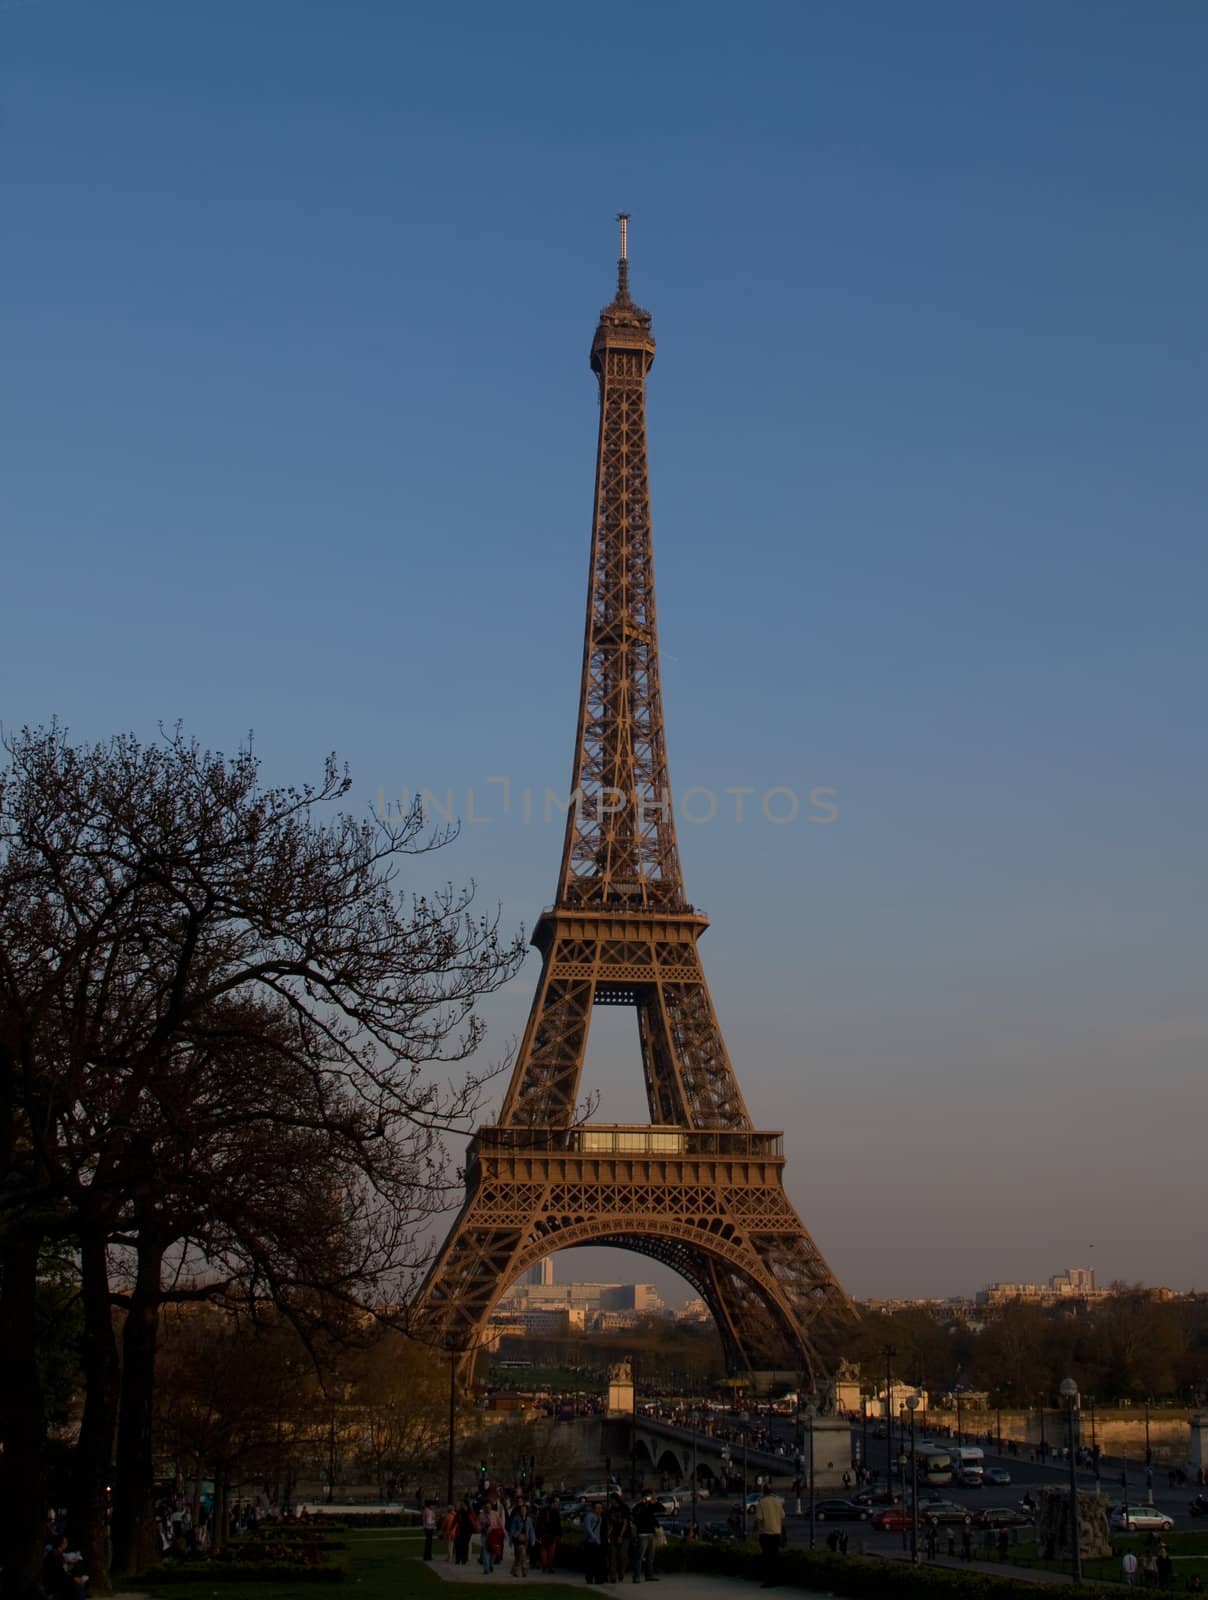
(892, 1519)
(1140, 1519)
(840, 1511)
(944, 1511)
(1001, 1517)
(997, 1476)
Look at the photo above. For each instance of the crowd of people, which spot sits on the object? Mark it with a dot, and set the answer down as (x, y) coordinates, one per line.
(619, 1540)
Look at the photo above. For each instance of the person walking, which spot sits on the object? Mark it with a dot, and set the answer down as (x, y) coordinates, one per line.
(523, 1535)
(769, 1527)
(618, 1531)
(448, 1528)
(490, 1534)
(645, 1525)
(463, 1531)
(549, 1531)
(593, 1543)
(428, 1523)
(1128, 1565)
(966, 1543)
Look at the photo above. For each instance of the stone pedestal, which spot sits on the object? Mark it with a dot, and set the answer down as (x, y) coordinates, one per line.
(1197, 1449)
(620, 1389)
(1053, 1525)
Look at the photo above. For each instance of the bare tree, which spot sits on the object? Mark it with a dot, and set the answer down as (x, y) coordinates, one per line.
(201, 976)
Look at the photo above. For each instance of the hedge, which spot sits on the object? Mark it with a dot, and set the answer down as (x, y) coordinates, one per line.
(860, 1577)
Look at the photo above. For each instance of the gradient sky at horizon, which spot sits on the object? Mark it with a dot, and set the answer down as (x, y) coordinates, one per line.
(297, 433)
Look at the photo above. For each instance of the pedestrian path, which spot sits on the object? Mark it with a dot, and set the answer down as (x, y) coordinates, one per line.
(672, 1585)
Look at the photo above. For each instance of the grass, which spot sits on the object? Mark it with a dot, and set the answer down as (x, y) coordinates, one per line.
(382, 1565)
(1189, 1550)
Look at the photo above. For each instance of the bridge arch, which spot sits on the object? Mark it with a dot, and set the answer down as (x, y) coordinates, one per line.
(704, 1253)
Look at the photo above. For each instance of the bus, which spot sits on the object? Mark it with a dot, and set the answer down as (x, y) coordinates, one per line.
(934, 1465)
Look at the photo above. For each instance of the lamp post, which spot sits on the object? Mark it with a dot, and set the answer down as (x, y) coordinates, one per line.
(695, 1429)
(1069, 1393)
(1090, 1400)
(1148, 1459)
(452, 1423)
(745, 1419)
(1044, 1447)
(889, 1352)
(958, 1416)
(811, 1411)
(912, 1405)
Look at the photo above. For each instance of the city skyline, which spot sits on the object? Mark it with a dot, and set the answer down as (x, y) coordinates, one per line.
(927, 485)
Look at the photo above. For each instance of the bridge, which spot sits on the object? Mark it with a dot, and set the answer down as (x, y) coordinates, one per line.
(651, 1450)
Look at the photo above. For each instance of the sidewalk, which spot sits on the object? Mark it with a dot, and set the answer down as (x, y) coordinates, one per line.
(672, 1585)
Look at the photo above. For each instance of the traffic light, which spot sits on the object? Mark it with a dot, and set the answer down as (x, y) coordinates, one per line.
(482, 1469)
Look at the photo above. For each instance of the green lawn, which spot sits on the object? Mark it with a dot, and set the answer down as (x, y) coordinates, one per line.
(1180, 1545)
(383, 1564)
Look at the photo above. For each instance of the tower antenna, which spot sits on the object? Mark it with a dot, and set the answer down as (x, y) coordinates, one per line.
(623, 262)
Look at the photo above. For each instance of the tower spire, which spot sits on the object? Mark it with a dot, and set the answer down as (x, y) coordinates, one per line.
(623, 261)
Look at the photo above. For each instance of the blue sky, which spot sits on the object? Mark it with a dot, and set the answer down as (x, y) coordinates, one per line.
(297, 432)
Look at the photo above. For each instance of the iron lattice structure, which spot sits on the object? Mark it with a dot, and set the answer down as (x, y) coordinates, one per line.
(700, 1189)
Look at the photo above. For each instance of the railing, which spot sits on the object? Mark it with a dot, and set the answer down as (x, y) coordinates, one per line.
(644, 1140)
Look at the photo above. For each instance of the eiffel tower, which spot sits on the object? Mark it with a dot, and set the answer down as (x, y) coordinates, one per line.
(699, 1188)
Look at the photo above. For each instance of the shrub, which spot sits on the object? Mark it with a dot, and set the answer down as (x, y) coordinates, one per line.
(860, 1577)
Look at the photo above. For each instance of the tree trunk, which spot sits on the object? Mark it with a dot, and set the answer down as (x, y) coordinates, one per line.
(22, 1423)
(136, 1545)
(92, 1465)
(218, 1516)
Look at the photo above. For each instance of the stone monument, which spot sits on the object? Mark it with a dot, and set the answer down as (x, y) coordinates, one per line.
(620, 1389)
(1053, 1526)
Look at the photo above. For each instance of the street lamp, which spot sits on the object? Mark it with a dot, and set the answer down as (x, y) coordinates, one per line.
(696, 1417)
(744, 1418)
(811, 1411)
(912, 1405)
(1090, 1400)
(1148, 1459)
(1069, 1393)
(889, 1352)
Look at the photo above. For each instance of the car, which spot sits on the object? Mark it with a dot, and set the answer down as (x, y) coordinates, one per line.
(944, 1511)
(892, 1519)
(839, 1511)
(1139, 1519)
(1001, 1517)
(970, 1478)
(877, 1497)
(674, 1528)
(998, 1476)
(717, 1532)
(668, 1505)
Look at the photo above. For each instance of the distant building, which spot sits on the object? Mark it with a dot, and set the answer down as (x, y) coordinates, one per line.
(590, 1298)
(1075, 1283)
(542, 1274)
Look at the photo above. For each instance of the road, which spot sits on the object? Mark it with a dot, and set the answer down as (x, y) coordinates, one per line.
(1025, 1475)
